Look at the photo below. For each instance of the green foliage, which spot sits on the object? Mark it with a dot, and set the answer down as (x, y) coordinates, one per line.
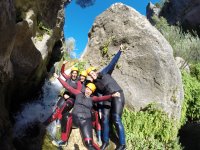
(47, 143)
(185, 45)
(157, 5)
(195, 71)
(191, 106)
(42, 30)
(150, 129)
(39, 37)
(160, 4)
(104, 47)
(81, 65)
(42, 27)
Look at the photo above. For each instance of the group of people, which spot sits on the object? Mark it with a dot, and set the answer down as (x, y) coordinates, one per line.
(86, 98)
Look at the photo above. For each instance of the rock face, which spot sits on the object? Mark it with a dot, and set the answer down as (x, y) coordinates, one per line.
(30, 31)
(186, 12)
(146, 71)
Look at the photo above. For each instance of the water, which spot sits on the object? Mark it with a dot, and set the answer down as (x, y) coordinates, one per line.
(38, 110)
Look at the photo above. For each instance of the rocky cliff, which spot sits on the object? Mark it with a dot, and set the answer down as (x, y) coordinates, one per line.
(146, 71)
(185, 13)
(30, 31)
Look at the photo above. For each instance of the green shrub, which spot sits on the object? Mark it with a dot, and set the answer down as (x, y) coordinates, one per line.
(150, 129)
(47, 145)
(104, 47)
(195, 71)
(185, 45)
(191, 106)
(43, 28)
(81, 65)
(160, 4)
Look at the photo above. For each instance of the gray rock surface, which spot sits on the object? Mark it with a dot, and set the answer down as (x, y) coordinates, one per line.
(29, 33)
(182, 64)
(146, 71)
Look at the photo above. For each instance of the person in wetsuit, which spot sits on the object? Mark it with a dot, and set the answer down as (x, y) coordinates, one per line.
(81, 113)
(95, 115)
(107, 85)
(65, 102)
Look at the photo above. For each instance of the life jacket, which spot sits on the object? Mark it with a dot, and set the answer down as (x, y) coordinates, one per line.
(72, 83)
(82, 107)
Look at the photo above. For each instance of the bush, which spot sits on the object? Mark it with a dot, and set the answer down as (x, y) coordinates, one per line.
(191, 106)
(150, 129)
(47, 145)
(195, 71)
(185, 45)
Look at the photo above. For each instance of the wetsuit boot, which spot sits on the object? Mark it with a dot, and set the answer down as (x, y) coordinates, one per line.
(104, 145)
(89, 145)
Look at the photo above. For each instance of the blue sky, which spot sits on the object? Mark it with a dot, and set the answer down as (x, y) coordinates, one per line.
(78, 21)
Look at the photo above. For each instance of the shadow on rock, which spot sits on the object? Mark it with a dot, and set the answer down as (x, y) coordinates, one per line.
(33, 138)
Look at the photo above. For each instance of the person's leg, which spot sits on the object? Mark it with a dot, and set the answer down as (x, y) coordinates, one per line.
(64, 110)
(86, 132)
(57, 112)
(105, 124)
(98, 126)
(68, 126)
(117, 110)
(69, 105)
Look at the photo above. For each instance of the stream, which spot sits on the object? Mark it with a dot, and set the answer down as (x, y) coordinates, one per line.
(38, 110)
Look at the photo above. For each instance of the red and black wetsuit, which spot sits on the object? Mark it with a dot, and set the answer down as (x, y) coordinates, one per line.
(81, 114)
(65, 105)
(69, 103)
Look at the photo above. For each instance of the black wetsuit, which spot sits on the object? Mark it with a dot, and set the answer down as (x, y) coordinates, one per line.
(107, 85)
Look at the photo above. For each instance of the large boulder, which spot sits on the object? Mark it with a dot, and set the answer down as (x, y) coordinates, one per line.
(146, 71)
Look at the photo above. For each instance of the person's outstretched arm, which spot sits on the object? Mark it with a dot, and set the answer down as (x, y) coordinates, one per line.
(67, 86)
(63, 71)
(110, 67)
(105, 98)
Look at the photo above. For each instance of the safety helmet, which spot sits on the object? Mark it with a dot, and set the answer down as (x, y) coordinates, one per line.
(91, 69)
(91, 86)
(83, 73)
(74, 69)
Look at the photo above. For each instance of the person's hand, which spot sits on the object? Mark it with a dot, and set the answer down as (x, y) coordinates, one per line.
(123, 48)
(64, 62)
(116, 94)
(55, 75)
(66, 96)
